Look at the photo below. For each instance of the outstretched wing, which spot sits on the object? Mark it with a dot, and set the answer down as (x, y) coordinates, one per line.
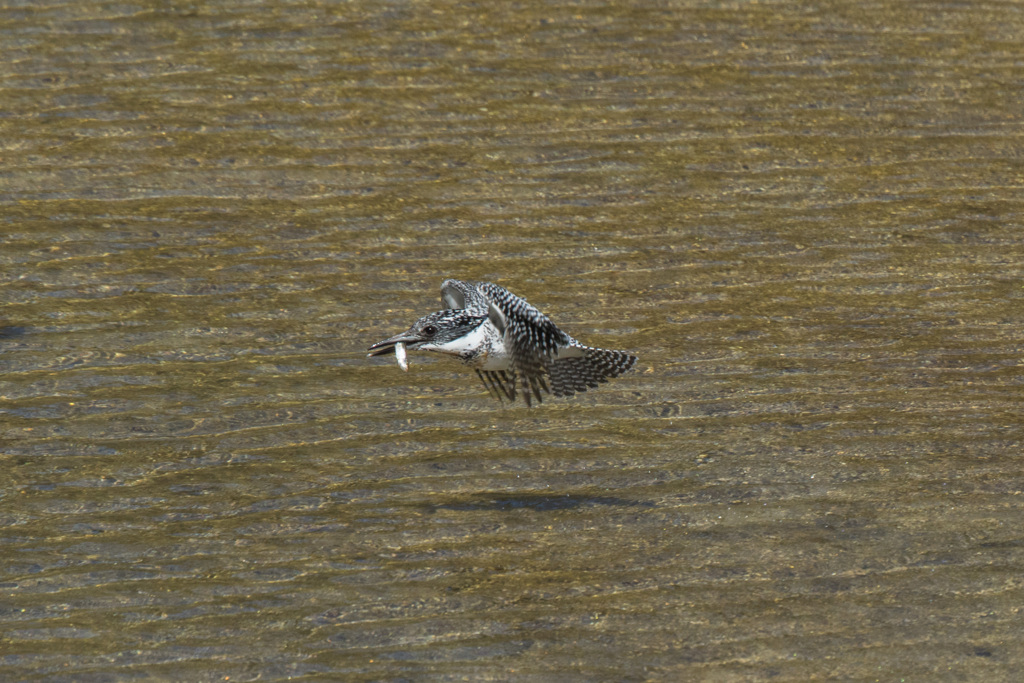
(592, 367)
(531, 338)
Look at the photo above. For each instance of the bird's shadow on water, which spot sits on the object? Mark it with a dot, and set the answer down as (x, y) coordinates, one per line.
(539, 502)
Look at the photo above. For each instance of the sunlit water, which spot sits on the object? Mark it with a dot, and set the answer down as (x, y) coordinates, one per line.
(805, 220)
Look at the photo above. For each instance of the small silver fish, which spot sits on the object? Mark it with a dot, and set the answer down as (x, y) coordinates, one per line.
(401, 357)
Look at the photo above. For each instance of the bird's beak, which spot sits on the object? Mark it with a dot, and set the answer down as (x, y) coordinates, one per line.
(388, 345)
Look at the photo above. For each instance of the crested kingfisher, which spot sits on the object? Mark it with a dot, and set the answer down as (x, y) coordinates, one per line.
(509, 343)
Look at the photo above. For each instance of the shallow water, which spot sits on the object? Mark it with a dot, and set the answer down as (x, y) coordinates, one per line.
(805, 220)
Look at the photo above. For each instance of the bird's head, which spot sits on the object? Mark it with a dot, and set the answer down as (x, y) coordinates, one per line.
(450, 332)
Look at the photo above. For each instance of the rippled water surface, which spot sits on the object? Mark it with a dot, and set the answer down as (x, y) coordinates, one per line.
(806, 219)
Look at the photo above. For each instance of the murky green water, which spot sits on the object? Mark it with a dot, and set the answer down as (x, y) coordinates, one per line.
(806, 219)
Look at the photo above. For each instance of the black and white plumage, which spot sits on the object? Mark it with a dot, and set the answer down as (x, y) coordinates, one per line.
(510, 343)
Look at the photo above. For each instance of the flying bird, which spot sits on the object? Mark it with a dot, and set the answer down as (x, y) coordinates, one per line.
(511, 345)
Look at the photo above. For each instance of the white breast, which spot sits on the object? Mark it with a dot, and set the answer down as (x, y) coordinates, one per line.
(466, 345)
(482, 348)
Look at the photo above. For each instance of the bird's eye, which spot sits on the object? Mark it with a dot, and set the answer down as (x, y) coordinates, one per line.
(430, 330)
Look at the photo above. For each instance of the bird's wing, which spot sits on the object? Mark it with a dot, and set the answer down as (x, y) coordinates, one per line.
(499, 383)
(456, 294)
(530, 337)
(587, 368)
